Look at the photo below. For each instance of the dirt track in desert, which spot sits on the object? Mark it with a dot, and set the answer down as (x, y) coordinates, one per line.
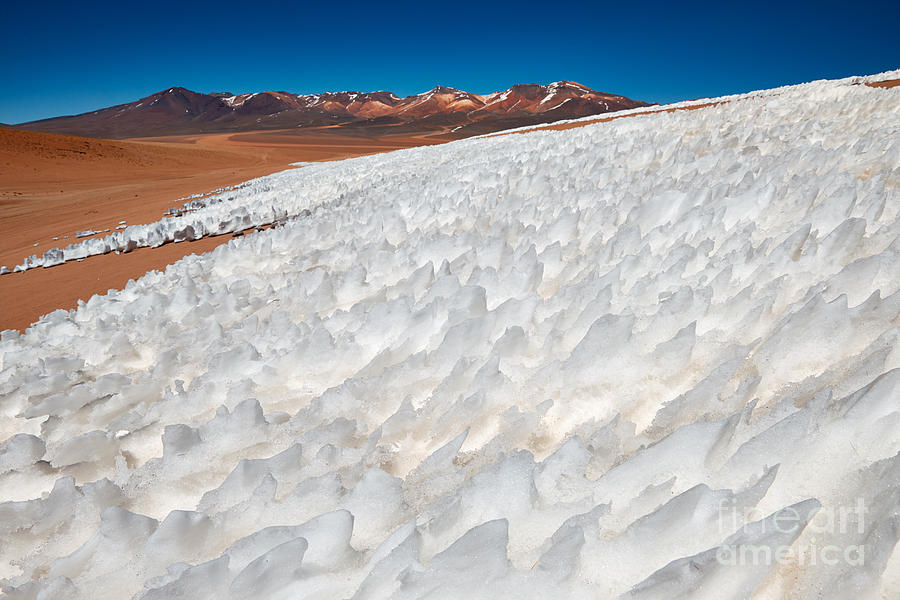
(52, 186)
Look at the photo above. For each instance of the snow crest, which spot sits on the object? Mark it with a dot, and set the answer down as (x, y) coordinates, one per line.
(645, 358)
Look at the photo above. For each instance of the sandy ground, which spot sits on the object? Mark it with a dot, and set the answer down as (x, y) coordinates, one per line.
(890, 83)
(27, 296)
(54, 186)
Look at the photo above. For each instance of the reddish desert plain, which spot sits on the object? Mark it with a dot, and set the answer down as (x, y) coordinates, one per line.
(52, 186)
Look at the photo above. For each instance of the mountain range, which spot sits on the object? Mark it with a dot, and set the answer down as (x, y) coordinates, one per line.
(443, 110)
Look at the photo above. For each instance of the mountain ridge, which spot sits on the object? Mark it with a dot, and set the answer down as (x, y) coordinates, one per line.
(443, 110)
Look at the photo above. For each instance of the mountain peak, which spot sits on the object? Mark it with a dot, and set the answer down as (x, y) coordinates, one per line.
(567, 83)
(442, 89)
(175, 90)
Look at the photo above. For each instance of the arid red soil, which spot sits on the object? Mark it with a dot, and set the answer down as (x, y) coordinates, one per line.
(54, 186)
(885, 84)
(26, 296)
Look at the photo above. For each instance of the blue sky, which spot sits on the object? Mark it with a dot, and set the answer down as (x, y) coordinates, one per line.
(66, 58)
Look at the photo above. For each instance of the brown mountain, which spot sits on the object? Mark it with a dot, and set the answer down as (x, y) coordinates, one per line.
(442, 109)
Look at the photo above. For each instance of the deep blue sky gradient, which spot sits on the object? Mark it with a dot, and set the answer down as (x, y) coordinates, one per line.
(67, 58)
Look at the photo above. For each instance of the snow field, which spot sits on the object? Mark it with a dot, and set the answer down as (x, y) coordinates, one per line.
(570, 364)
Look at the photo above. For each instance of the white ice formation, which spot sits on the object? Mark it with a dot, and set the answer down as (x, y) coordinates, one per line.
(651, 358)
